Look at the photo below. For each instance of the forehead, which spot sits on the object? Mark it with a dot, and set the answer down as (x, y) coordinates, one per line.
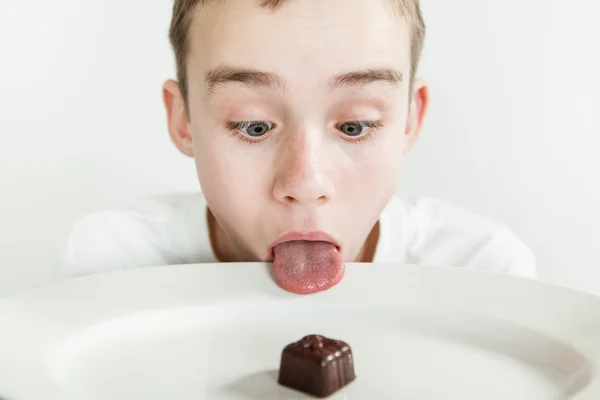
(304, 37)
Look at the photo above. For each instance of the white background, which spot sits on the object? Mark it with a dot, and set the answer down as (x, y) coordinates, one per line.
(512, 133)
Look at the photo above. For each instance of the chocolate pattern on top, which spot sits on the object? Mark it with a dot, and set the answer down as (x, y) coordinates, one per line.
(318, 349)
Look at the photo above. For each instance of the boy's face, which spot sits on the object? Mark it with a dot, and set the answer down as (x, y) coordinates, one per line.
(299, 118)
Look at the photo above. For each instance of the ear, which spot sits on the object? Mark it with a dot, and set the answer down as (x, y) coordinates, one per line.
(419, 102)
(179, 127)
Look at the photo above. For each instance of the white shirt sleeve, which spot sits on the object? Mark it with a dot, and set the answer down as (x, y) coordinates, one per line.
(166, 230)
(109, 241)
(497, 250)
(523, 260)
(427, 231)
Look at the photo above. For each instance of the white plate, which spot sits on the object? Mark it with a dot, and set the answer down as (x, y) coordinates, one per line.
(217, 331)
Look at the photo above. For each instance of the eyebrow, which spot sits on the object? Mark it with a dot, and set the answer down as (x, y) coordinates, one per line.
(247, 76)
(366, 77)
(255, 78)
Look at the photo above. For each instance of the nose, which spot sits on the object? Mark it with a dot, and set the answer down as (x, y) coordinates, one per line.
(302, 172)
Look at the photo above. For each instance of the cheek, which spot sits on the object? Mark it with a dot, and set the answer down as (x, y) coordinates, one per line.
(373, 186)
(377, 163)
(230, 186)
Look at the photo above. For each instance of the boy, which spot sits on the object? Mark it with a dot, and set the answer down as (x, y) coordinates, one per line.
(297, 113)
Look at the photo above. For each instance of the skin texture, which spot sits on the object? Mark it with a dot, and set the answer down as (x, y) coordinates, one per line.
(304, 174)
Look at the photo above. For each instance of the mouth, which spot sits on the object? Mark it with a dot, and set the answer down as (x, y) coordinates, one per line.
(315, 236)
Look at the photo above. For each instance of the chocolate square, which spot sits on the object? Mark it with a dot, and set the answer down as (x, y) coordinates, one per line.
(316, 365)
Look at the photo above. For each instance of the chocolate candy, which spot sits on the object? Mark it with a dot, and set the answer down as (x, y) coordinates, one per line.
(317, 366)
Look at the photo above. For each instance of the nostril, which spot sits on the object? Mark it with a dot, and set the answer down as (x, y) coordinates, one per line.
(289, 199)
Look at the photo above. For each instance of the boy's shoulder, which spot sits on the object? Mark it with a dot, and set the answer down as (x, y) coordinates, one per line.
(434, 232)
(157, 231)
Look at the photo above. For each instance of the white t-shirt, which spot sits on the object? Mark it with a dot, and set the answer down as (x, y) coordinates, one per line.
(173, 230)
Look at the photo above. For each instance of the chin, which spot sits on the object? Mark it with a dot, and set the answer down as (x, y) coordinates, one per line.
(264, 258)
(349, 258)
(260, 256)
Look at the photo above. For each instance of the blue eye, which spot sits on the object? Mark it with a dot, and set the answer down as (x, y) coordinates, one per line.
(255, 128)
(353, 129)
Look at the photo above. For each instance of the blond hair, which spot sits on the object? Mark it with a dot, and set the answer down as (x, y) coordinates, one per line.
(183, 12)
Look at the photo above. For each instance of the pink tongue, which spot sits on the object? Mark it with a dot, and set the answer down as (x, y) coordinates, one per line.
(307, 267)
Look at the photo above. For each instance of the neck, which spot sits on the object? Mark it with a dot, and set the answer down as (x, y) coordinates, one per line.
(367, 252)
(222, 246)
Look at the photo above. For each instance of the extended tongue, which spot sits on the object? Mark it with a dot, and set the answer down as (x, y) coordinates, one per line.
(305, 267)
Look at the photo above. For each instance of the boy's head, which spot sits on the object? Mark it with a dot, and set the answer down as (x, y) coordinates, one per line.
(183, 17)
(297, 113)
